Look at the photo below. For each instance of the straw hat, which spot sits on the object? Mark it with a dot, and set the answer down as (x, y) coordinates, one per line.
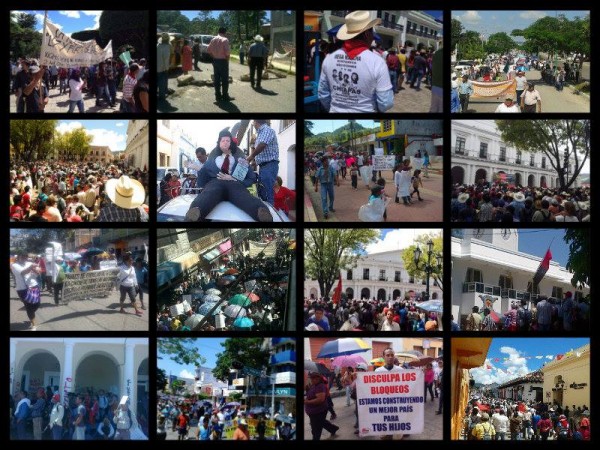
(519, 197)
(125, 192)
(463, 197)
(355, 23)
(258, 38)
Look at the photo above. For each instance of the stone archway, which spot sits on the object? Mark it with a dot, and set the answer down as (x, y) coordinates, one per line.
(396, 294)
(99, 371)
(481, 174)
(41, 369)
(518, 181)
(543, 183)
(458, 175)
(365, 293)
(350, 293)
(531, 181)
(314, 293)
(381, 294)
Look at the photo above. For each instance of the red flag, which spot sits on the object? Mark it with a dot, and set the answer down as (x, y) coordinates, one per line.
(337, 294)
(543, 268)
(559, 357)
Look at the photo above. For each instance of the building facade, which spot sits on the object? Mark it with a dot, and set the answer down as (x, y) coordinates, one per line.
(137, 151)
(72, 365)
(166, 144)
(380, 275)
(528, 388)
(478, 153)
(567, 378)
(406, 137)
(488, 267)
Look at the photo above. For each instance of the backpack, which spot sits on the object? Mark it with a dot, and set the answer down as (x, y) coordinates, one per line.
(546, 218)
(487, 435)
(563, 432)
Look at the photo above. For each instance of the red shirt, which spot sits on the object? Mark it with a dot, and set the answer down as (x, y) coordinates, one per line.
(283, 198)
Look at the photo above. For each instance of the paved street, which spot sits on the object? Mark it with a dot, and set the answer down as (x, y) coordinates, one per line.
(59, 103)
(410, 100)
(97, 314)
(553, 101)
(434, 427)
(275, 95)
(347, 201)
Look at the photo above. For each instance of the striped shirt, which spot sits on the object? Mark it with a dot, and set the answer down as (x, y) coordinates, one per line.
(128, 84)
(267, 135)
(219, 47)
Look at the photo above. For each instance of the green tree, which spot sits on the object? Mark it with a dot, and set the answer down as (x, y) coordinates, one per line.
(32, 139)
(161, 379)
(308, 126)
(419, 272)
(327, 251)
(177, 385)
(180, 350)
(126, 29)
(247, 351)
(579, 241)
(456, 31)
(24, 40)
(561, 141)
(500, 44)
(38, 239)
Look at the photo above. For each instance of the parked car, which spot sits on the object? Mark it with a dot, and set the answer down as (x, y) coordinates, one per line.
(204, 41)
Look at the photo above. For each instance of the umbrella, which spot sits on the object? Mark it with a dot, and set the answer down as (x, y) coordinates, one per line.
(284, 419)
(232, 271)
(228, 278)
(256, 275)
(243, 322)
(194, 320)
(333, 31)
(312, 366)
(69, 256)
(343, 346)
(431, 305)
(196, 293)
(211, 298)
(235, 311)
(253, 297)
(232, 404)
(92, 251)
(240, 300)
(223, 281)
(420, 362)
(213, 291)
(408, 355)
(206, 307)
(257, 410)
(348, 361)
(378, 362)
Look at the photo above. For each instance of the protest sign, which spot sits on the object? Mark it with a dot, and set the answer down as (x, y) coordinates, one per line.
(384, 162)
(93, 284)
(108, 264)
(390, 402)
(176, 310)
(62, 50)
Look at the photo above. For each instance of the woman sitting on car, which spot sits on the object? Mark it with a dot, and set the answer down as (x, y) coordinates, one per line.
(219, 185)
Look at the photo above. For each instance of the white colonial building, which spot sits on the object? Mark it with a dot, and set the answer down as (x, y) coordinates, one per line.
(528, 388)
(117, 365)
(380, 275)
(487, 265)
(137, 152)
(478, 153)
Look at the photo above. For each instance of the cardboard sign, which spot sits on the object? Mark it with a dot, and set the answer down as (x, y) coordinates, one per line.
(176, 310)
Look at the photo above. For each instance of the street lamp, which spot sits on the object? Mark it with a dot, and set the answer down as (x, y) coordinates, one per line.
(428, 268)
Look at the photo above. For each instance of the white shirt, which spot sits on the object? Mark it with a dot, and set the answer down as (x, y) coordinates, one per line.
(127, 276)
(23, 282)
(386, 326)
(502, 108)
(394, 369)
(221, 158)
(531, 97)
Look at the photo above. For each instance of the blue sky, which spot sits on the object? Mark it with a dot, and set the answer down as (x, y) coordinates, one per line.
(435, 13)
(535, 242)
(521, 354)
(322, 126)
(105, 132)
(68, 21)
(398, 239)
(208, 348)
(192, 14)
(490, 22)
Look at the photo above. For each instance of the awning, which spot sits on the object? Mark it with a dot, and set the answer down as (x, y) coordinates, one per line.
(225, 246)
(214, 253)
(170, 270)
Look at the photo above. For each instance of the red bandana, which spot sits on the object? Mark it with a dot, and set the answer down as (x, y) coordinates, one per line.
(354, 48)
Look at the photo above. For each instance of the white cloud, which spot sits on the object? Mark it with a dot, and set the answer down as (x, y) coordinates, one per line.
(515, 366)
(470, 17)
(64, 127)
(108, 137)
(398, 239)
(96, 15)
(71, 14)
(186, 374)
(120, 124)
(17, 12)
(532, 15)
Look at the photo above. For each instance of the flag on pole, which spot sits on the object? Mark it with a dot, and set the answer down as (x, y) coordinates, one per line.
(543, 268)
(337, 294)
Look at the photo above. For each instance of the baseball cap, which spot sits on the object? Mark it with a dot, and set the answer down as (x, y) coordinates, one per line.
(361, 366)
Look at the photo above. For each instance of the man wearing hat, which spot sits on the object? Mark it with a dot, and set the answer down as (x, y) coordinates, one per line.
(465, 89)
(353, 78)
(521, 85)
(22, 79)
(531, 101)
(36, 92)
(508, 106)
(257, 58)
(220, 51)
(126, 198)
(163, 55)
(56, 418)
(241, 433)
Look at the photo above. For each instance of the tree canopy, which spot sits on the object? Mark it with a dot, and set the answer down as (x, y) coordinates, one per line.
(38, 239)
(247, 351)
(500, 44)
(32, 139)
(468, 43)
(74, 144)
(419, 272)
(24, 40)
(327, 251)
(180, 350)
(161, 379)
(127, 30)
(579, 241)
(339, 135)
(566, 143)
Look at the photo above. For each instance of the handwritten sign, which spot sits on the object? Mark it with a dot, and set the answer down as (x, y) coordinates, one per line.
(94, 284)
(62, 50)
(390, 402)
(384, 162)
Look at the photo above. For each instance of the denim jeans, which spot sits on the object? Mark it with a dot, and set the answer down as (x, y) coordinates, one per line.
(266, 180)
(78, 103)
(417, 76)
(162, 79)
(394, 80)
(326, 189)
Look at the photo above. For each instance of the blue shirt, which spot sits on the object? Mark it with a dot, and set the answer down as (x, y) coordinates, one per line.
(323, 323)
(266, 135)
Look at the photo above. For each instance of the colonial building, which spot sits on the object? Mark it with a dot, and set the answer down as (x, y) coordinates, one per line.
(72, 365)
(380, 275)
(528, 388)
(166, 144)
(137, 152)
(406, 137)
(567, 378)
(488, 267)
(100, 154)
(478, 153)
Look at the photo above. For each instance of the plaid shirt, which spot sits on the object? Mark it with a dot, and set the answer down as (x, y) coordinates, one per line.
(114, 213)
(267, 135)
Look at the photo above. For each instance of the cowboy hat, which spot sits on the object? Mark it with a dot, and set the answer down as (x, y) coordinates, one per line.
(355, 23)
(463, 197)
(125, 192)
(518, 197)
(258, 38)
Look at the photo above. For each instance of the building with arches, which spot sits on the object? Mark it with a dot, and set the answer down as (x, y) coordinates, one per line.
(74, 365)
(478, 153)
(380, 275)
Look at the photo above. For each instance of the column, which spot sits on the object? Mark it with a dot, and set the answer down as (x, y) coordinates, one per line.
(13, 353)
(129, 385)
(67, 370)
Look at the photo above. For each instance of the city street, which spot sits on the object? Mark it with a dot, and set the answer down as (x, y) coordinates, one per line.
(275, 95)
(59, 103)
(434, 426)
(347, 201)
(96, 314)
(411, 100)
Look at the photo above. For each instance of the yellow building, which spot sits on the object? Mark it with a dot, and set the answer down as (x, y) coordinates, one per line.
(429, 347)
(467, 353)
(567, 380)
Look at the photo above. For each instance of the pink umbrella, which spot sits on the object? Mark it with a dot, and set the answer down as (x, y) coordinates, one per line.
(348, 360)
(253, 297)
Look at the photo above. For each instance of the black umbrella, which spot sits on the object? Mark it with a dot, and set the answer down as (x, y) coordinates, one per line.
(285, 419)
(312, 366)
(257, 410)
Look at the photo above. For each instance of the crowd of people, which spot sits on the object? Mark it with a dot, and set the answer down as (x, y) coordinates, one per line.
(369, 315)
(502, 202)
(32, 85)
(488, 418)
(91, 414)
(43, 191)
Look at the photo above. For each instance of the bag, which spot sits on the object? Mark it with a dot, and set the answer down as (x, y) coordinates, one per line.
(60, 276)
(33, 296)
(487, 436)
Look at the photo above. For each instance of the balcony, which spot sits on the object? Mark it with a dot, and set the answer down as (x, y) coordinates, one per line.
(392, 25)
(502, 159)
(483, 155)
(342, 13)
(518, 161)
(511, 294)
(284, 357)
(285, 377)
(282, 340)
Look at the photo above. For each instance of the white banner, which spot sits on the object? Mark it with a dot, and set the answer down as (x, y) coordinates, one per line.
(390, 402)
(267, 249)
(93, 284)
(384, 162)
(60, 49)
